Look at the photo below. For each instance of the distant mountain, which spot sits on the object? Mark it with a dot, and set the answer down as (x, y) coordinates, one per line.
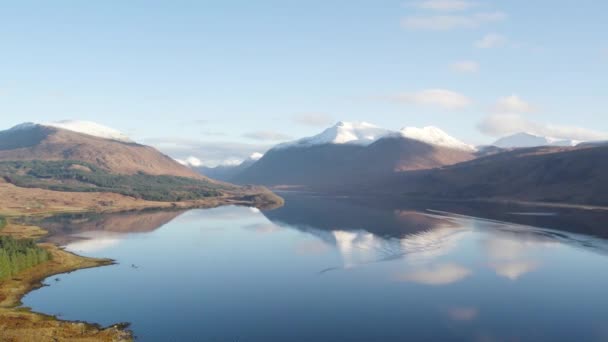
(350, 153)
(87, 142)
(520, 140)
(228, 172)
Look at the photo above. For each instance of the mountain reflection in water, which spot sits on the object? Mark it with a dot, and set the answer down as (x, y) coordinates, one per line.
(339, 269)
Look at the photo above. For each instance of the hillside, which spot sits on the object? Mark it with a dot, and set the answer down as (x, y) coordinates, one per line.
(40, 142)
(547, 174)
(84, 157)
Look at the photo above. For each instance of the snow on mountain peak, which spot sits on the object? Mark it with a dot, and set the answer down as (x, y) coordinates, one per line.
(90, 128)
(435, 136)
(23, 126)
(358, 133)
(364, 133)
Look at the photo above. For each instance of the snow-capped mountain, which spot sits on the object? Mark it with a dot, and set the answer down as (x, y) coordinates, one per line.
(435, 136)
(90, 128)
(356, 133)
(364, 134)
(354, 152)
(523, 139)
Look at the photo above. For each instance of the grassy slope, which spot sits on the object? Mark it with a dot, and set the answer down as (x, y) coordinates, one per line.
(77, 176)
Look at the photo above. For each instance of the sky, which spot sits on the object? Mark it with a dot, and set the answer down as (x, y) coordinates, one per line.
(220, 80)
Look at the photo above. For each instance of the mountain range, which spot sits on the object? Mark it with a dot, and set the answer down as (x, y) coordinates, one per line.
(360, 158)
(354, 153)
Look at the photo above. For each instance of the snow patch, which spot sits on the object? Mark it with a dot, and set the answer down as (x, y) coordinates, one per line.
(256, 156)
(435, 136)
(363, 133)
(90, 128)
(190, 162)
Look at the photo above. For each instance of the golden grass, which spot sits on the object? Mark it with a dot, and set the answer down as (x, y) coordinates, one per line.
(21, 324)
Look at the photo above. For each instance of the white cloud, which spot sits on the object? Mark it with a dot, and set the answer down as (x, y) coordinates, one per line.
(465, 66)
(451, 22)
(313, 119)
(444, 5)
(267, 136)
(443, 274)
(512, 104)
(507, 118)
(231, 162)
(498, 125)
(443, 98)
(491, 40)
(211, 153)
(516, 269)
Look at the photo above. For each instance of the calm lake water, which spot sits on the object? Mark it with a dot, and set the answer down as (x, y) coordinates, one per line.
(322, 269)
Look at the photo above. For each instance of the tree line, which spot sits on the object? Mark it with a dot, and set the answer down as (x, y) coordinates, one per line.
(17, 255)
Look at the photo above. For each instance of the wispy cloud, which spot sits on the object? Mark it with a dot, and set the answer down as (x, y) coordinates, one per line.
(442, 98)
(267, 136)
(491, 40)
(444, 22)
(443, 5)
(466, 67)
(498, 125)
(508, 118)
(512, 104)
(210, 153)
(313, 119)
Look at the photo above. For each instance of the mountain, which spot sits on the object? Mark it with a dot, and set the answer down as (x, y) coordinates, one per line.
(227, 172)
(574, 175)
(350, 153)
(87, 142)
(522, 139)
(94, 161)
(352, 133)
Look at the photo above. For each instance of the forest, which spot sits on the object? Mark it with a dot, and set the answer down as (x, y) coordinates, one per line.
(82, 177)
(17, 255)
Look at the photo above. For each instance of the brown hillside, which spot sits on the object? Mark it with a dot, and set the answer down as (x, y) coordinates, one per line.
(47, 143)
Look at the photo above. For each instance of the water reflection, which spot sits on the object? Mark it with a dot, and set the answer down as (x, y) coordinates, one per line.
(367, 232)
(324, 269)
(94, 232)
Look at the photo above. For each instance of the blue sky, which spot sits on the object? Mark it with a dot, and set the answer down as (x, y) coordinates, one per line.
(220, 79)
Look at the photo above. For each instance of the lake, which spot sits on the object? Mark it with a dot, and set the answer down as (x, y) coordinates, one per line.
(338, 269)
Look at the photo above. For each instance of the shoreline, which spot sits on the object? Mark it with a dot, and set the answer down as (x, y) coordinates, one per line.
(19, 323)
(17, 201)
(447, 199)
